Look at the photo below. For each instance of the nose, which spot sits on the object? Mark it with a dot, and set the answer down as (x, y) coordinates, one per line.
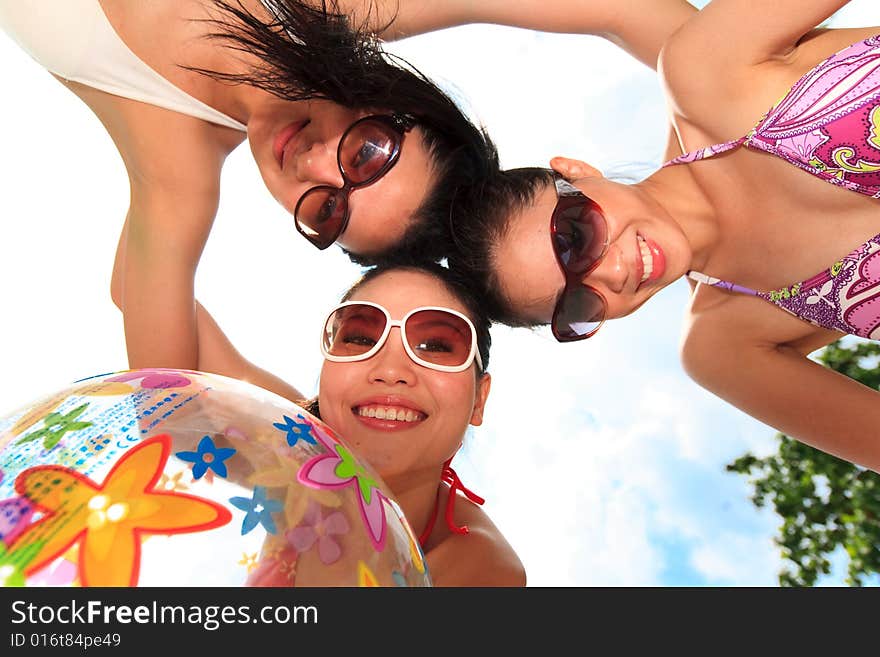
(612, 272)
(317, 165)
(391, 365)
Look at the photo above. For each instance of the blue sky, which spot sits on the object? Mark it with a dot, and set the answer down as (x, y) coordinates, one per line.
(601, 461)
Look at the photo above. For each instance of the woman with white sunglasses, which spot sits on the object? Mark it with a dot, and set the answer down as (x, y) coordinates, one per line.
(404, 375)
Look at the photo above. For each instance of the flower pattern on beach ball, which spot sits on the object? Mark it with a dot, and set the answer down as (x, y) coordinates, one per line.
(15, 514)
(318, 529)
(130, 479)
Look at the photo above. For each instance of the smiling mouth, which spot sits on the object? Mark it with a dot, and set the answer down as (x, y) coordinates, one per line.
(647, 259)
(652, 260)
(283, 140)
(389, 413)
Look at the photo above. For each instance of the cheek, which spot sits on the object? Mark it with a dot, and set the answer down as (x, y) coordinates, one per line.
(268, 176)
(335, 380)
(622, 306)
(454, 396)
(369, 232)
(618, 307)
(355, 240)
(285, 194)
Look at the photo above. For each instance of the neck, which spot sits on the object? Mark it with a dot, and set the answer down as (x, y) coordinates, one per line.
(416, 493)
(678, 195)
(239, 101)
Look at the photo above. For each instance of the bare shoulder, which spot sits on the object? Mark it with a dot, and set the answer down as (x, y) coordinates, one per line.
(160, 144)
(723, 328)
(483, 557)
(698, 68)
(697, 71)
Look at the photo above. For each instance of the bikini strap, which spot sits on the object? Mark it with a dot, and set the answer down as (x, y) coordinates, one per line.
(707, 152)
(724, 285)
(449, 477)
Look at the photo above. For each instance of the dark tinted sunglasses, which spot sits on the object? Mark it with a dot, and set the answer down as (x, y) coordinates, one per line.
(579, 234)
(368, 149)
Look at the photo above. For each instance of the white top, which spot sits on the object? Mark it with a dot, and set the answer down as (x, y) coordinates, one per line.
(74, 40)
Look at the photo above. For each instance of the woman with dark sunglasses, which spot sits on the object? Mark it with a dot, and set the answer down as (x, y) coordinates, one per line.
(406, 353)
(361, 148)
(773, 130)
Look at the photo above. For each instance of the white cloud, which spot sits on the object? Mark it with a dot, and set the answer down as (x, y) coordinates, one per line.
(736, 559)
(586, 502)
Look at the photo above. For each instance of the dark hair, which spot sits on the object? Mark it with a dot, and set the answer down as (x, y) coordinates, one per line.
(312, 406)
(311, 53)
(457, 285)
(483, 214)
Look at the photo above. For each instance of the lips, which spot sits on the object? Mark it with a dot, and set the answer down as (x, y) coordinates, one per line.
(388, 413)
(650, 260)
(284, 139)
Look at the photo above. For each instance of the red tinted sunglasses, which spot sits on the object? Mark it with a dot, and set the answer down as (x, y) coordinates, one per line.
(368, 149)
(579, 234)
(434, 337)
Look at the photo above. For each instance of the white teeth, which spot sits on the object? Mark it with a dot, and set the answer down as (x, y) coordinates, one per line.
(389, 413)
(647, 260)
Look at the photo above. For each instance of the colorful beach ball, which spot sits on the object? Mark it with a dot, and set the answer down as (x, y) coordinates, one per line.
(180, 478)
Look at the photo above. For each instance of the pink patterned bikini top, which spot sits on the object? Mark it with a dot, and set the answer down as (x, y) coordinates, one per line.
(827, 124)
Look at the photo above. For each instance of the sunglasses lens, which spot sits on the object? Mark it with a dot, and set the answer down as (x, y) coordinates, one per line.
(580, 234)
(439, 337)
(353, 330)
(366, 151)
(320, 215)
(579, 313)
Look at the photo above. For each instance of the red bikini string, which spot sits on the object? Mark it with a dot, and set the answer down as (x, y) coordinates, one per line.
(450, 477)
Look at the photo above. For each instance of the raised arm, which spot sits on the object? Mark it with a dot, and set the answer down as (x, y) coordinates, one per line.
(210, 350)
(153, 280)
(780, 386)
(640, 27)
(174, 199)
(755, 31)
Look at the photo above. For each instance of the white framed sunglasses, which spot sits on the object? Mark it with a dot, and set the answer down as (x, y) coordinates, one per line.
(434, 337)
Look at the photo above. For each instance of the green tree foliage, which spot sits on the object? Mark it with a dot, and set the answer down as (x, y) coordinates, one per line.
(824, 502)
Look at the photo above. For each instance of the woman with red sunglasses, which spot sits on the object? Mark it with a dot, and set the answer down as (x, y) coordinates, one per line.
(767, 205)
(406, 353)
(360, 148)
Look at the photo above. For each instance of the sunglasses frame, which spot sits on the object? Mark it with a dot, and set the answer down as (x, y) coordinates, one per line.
(569, 196)
(473, 355)
(401, 124)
